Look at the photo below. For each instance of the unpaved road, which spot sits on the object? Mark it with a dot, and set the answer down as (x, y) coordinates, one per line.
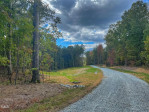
(118, 92)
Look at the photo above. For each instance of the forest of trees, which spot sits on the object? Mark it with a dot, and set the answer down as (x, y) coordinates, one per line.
(27, 46)
(72, 56)
(127, 41)
(96, 57)
(28, 34)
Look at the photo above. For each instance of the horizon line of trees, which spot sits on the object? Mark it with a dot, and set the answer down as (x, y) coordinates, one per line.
(71, 56)
(96, 56)
(127, 41)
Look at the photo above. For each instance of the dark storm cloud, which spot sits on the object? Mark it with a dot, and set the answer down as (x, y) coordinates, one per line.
(64, 5)
(81, 17)
(90, 13)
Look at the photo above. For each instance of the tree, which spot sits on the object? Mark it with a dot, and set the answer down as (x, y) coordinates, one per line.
(89, 58)
(145, 54)
(71, 56)
(96, 56)
(126, 36)
(18, 20)
(100, 54)
(40, 12)
(111, 58)
(135, 24)
(35, 64)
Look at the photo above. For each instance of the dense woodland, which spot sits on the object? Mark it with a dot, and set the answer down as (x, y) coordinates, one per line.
(127, 41)
(28, 33)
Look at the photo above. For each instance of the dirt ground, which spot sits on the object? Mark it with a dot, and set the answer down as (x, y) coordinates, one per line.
(21, 96)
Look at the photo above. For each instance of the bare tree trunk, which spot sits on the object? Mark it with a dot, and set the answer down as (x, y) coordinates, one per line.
(10, 43)
(9, 55)
(35, 63)
(17, 68)
(9, 67)
(23, 68)
(125, 61)
(73, 61)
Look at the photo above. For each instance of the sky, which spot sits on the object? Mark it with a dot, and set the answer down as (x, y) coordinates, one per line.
(87, 21)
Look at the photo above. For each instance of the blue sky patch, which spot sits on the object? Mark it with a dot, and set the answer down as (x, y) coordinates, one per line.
(63, 43)
(146, 1)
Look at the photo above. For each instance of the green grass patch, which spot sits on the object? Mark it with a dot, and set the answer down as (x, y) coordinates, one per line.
(93, 70)
(72, 73)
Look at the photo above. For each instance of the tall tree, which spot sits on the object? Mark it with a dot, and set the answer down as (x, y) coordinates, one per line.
(100, 54)
(135, 24)
(35, 63)
(126, 36)
(41, 14)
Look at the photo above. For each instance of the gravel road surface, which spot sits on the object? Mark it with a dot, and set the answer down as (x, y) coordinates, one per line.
(118, 92)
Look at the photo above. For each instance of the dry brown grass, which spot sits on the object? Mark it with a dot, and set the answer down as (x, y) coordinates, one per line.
(60, 79)
(135, 69)
(143, 70)
(90, 79)
(139, 72)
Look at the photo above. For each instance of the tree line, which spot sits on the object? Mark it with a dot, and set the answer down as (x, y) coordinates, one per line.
(96, 56)
(65, 57)
(127, 41)
(27, 46)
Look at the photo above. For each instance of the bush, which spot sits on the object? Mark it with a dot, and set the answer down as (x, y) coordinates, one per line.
(4, 61)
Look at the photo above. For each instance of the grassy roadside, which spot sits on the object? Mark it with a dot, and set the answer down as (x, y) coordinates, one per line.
(141, 75)
(88, 76)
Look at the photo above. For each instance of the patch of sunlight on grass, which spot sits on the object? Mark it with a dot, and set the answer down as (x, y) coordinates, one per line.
(72, 74)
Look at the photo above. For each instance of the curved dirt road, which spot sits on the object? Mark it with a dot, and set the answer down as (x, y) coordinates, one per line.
(118, 92)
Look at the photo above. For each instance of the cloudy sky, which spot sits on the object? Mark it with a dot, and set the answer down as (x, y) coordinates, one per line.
(87, 21)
